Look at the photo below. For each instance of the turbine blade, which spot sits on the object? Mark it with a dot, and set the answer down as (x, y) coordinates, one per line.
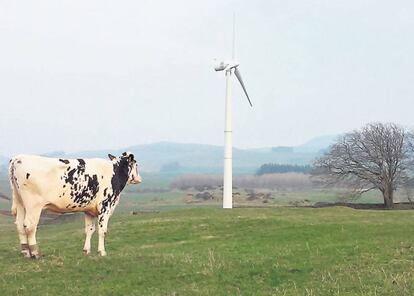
(233, 53)
(238, 75)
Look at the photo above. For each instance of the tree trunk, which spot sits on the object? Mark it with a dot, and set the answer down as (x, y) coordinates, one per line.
(388, 195)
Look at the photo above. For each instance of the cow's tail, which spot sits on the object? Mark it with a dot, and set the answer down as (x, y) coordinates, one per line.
(13, 185)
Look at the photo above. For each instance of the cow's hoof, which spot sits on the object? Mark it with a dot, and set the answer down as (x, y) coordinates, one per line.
(35, 252)
(26, 254)
(102, 253)
(36, 256)
(86, 252)
(25, 251)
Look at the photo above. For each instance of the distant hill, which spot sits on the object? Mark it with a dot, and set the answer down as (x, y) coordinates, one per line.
(200, 158)
(317, 145)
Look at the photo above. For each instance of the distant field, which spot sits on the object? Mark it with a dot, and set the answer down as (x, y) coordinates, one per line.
(155, 194)
(210, 251)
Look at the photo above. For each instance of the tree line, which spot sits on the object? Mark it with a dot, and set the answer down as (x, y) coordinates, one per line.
(285, 181)
(275, 168)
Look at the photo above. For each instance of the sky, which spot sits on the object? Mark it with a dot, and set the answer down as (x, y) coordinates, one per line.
(85, 75)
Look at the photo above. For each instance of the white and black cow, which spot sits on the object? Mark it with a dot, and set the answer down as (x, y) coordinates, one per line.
(92, 186)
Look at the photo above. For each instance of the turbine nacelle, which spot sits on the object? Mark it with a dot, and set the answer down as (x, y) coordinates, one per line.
(224, 66)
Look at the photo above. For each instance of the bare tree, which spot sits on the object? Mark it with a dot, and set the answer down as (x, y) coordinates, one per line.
(378, 156)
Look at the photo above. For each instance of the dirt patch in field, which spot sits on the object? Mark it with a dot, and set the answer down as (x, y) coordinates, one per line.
(364, 206)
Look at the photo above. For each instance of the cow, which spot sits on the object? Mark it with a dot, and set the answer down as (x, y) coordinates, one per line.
(92, 186)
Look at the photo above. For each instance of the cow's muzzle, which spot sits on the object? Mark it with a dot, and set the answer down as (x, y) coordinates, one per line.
(136, 180)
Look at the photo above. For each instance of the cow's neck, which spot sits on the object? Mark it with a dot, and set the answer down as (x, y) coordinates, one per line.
(120, 177)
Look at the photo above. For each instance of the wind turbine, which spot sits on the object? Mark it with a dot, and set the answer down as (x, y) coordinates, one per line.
(229, 67)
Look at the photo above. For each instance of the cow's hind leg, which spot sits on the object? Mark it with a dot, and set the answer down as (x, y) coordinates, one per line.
(89, 230)
(30, 224)
(19, 212)
(20, 215)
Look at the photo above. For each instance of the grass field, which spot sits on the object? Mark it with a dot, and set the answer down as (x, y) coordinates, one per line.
(210, 251)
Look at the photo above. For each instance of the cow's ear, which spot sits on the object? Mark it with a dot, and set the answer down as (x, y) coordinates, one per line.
(111, 157)
(131, 157)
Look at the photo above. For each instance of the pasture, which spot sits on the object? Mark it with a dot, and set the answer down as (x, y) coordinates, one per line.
(210, 251)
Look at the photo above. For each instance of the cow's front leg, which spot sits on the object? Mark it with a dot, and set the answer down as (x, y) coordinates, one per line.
(89, 230)
(103, 219)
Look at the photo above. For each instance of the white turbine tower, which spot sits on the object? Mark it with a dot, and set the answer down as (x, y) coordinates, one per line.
(229, 67)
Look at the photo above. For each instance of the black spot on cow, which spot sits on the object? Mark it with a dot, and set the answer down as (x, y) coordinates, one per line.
(81, 166)
(93, 184)
(16, 183)
(65, 161)
(69, 178)
(27, 176)
(120, 177)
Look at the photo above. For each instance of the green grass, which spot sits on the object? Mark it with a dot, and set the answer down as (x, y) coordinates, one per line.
(210, 251)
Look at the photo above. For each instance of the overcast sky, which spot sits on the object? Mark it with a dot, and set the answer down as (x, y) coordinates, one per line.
(77, 75)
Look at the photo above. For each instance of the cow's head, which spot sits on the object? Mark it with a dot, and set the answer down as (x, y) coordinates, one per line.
(129, 165)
